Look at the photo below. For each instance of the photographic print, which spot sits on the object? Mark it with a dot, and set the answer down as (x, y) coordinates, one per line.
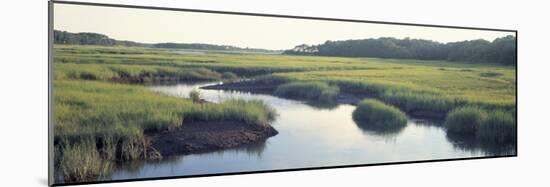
(150, 93)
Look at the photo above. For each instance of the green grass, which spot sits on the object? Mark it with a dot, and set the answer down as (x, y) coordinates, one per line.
(133, 73)
(91, 108)
(92, 103)
(116, 117)
(243, 65)
(82, 162)
(253, 112)
(313, 91)
(411, 101)
(487, 125)
(465, 120)
(376, 115)
(498, 127)
(411, 85)
(408, 84)
(421, 87)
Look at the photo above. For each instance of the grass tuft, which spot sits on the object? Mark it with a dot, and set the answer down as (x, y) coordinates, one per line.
(465, 120)
(315, 91)
(487, 125)
(379, 116)
(82, 162)
(498, 127)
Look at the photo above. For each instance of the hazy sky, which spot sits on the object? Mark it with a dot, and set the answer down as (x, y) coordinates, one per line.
(155, 26)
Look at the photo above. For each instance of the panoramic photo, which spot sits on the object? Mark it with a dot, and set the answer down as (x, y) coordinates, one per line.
(143, 93)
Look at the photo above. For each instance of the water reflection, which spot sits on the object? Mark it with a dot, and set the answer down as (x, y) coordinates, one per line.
(428, 122)
(380, 130)
(252, 150)
(133, 168)
(470, 143)
(310, 136)
(322, 105)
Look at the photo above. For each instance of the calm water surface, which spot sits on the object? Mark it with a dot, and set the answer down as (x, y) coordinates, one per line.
(308, 136)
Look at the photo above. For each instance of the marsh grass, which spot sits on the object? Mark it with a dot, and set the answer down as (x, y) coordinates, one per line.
(133, 73)
(98, 117)
(487, 125)
(89, 108)
(498, 127)
(422, 86)
(316, 91)
(252, 112)
(411, 101)
(376, 116)
(411, 85)
(106, 122)
(490, 74)
(465, 120)
(82, 162)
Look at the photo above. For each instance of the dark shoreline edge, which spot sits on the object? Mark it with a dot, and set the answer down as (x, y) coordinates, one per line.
(351, 97)
(207, 136)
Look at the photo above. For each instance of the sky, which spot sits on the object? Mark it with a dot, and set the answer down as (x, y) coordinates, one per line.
(157, 26)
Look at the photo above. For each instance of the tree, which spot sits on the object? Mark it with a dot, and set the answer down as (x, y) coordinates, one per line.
(501, 50)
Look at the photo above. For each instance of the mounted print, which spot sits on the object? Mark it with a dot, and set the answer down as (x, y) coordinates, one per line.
(140, 93)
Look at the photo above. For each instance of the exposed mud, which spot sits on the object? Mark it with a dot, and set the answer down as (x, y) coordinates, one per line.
(199, 136)
(247, 86)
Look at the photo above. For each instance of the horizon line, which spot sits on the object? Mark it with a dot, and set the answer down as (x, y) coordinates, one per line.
(247, 47)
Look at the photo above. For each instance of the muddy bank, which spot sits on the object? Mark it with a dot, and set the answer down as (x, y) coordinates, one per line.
(427, 115)
(147, 79)
(247, 86)
(199, 137)
(255, 87)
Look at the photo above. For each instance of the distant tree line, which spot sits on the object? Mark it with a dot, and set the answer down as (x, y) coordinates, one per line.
(86, 38)
(501, 50)
(194, 46)
(207, 47)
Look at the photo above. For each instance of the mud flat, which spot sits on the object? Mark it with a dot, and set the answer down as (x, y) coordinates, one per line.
(200, 137)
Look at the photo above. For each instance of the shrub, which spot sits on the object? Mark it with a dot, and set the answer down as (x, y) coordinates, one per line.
(375, 115)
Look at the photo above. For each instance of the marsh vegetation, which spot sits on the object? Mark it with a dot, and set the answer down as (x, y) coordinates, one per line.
(104, 110)
(315, 91)
(494, 126)
(376, 116)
